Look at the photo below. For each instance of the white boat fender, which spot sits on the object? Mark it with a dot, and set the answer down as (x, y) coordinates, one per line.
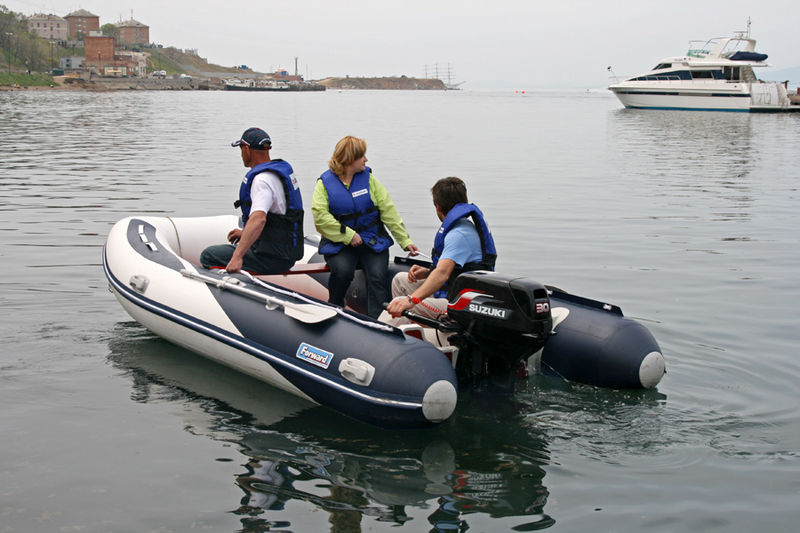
(652, 369)
(439, 401)
(357, 371)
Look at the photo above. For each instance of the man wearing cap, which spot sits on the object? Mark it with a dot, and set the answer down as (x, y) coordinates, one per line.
(271, 239)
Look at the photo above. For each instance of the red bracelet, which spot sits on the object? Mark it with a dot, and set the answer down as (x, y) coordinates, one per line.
(414, 300)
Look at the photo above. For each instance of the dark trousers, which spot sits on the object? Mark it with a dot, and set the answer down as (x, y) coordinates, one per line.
(376, 270)
(219, 255)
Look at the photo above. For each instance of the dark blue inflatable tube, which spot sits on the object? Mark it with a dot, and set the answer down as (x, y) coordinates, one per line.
(595, 344)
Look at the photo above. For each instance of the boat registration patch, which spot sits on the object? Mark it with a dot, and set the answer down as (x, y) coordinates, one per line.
(314, 355)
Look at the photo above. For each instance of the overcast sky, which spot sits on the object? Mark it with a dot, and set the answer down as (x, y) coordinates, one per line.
(501, 43)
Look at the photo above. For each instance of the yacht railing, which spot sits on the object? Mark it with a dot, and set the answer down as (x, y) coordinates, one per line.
(698, 53)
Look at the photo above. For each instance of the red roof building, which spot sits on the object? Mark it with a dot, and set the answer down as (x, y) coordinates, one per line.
(81, 22)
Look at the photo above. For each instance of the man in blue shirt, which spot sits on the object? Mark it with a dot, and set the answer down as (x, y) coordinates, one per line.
(462, 243)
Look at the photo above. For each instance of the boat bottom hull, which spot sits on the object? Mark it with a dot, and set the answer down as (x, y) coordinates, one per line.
(688, 101)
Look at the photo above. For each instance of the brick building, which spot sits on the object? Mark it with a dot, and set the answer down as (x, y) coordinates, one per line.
(50, 27)
(131, 63)
(133, 32)
(81, 22)
(103, 58)
(283, 75)
(99, 48)
(99, 52)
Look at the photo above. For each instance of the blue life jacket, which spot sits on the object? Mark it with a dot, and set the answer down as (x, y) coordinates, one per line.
(282, 235)
(488, 250)
(354, 209)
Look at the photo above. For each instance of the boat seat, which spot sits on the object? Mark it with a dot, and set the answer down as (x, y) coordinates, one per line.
(412, 330)
(300, 268)
(307, 268)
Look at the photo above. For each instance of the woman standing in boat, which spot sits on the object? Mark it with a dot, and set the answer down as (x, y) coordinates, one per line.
(351, 211)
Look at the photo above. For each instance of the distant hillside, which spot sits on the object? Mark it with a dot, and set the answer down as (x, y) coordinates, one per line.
(21, 49)
(175, 61)
(397, 83)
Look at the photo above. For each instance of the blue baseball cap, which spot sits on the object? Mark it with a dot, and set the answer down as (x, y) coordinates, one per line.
(255, 138)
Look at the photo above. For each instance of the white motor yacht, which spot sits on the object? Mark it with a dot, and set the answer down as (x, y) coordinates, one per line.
(716, 76)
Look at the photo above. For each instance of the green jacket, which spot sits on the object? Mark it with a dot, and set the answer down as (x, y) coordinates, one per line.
(330, 228)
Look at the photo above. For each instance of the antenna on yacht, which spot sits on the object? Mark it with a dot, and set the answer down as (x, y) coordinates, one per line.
(748, 27)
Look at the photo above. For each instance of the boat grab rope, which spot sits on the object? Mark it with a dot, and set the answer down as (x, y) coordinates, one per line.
(340, 311)
(177, 236)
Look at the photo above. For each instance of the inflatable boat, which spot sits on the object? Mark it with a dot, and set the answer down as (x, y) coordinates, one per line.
(280, 329)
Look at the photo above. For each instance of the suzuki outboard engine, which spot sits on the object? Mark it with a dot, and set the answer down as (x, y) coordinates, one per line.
(501, 320)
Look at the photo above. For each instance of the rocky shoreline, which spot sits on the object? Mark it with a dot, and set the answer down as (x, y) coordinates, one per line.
(386, 83)
(96, 83)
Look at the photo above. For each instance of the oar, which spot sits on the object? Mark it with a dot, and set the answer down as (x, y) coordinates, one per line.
(308, 313)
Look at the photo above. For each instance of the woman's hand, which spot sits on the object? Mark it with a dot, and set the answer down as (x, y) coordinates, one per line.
(412, 249)
(356, 240)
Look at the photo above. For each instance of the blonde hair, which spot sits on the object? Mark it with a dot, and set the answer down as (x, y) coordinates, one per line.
(347, 150)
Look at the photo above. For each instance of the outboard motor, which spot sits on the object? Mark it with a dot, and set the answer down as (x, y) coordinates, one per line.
(501, 320)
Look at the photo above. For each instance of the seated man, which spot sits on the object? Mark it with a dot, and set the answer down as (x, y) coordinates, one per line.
(460, 245)
(272, 214)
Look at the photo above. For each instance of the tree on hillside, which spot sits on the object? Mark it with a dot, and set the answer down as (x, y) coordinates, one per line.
(20, 45)
(110, 30)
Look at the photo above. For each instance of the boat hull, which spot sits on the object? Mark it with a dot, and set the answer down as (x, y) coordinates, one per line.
(375, 375)
(596, 345)
(592, 342)
(332, 357)
(683, 99)
(256, 89)
(282, 89)
(705, 96)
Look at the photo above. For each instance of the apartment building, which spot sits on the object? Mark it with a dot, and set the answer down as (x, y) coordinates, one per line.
(81, 22)
(133, 32)
(50, 27)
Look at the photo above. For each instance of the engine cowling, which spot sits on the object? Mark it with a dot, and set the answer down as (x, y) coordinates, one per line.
(504, 319)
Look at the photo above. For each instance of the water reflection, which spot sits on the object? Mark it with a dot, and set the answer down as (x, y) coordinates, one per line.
(487, 461)
(695, 157)
(686, 139)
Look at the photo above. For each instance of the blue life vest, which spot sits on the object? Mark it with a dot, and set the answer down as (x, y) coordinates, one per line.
(282, 235)
(354, 209)
(488, 250)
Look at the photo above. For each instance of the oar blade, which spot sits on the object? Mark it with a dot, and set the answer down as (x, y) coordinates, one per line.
(310, 314)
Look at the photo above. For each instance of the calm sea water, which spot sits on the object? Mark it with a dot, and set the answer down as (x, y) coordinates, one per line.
(688, 221)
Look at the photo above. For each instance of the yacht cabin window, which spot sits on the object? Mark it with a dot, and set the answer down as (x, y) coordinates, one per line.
(732, 73)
